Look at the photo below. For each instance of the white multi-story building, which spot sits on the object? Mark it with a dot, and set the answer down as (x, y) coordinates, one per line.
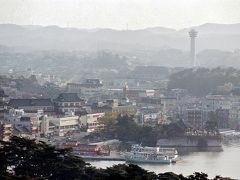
(65, 124)
(234, 114)
(25, 123)
(90, 121)
(5, 131)
(169, 105)
(214, 102)
(68, 102)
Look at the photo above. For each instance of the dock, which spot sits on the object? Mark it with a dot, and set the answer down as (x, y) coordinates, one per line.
(102, 158)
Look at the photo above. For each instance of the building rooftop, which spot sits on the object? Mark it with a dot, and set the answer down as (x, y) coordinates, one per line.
(68, 97)
(30, 102)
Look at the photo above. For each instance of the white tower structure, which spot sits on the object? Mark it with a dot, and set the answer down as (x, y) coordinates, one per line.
(193, 35)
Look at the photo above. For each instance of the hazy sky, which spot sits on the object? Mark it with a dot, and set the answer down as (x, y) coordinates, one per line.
(119, 13)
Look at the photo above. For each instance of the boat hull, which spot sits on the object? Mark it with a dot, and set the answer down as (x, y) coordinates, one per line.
(132, 159)
(149, 161)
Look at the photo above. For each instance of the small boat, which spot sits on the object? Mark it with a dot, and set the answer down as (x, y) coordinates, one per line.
(88, 150)
(140, 154)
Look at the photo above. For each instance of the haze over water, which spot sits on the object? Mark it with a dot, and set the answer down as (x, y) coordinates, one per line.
(225, 163)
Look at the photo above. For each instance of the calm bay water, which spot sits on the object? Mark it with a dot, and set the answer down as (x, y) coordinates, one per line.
(225, 163)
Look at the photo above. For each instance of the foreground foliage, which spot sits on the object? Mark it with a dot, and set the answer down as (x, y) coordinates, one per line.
(27, 159)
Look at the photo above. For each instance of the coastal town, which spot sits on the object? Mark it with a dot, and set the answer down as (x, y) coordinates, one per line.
(119, 90)
(103, 118)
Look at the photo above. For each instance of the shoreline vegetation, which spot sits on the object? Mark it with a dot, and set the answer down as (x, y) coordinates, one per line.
(27, 159)
(125, 129)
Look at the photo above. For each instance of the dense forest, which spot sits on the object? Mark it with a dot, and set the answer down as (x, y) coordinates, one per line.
(202, 81)
(125, 128)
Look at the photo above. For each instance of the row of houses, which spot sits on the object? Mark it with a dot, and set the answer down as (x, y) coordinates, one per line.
(58, 117)
(225, 110)
(41, 125)
(70, 102)
(45, 117)
(65, 102)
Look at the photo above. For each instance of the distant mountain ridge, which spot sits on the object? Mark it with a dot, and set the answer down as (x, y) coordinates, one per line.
(34, 37)
(216, 28)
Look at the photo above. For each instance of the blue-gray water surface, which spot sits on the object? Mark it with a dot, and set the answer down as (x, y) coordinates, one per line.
(225, 163)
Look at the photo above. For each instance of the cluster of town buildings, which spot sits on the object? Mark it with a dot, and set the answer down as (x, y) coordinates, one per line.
(80, 106)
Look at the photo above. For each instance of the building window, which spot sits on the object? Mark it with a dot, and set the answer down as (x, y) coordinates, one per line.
(49, 108)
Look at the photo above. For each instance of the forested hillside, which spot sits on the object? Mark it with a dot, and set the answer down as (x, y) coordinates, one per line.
(203, 81)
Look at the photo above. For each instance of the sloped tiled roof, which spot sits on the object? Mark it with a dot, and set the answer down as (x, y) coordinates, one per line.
(30, 102)
(68, 97)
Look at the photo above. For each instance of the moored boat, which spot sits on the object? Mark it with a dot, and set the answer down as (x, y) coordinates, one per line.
(140, 154)
(83, 150)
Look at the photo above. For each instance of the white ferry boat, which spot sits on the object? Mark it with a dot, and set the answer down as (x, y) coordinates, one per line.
(140, 154)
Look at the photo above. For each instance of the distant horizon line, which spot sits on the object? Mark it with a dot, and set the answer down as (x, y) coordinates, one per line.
(127, 29)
